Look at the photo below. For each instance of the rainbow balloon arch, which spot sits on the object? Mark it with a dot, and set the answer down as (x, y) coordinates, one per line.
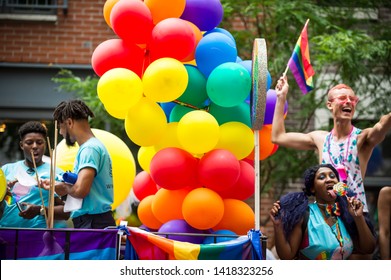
(199, 113)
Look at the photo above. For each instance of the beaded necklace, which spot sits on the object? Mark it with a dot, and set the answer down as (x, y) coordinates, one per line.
(337, 233)
(340, 166)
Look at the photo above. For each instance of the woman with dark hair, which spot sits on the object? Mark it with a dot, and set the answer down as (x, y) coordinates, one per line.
(331, 227)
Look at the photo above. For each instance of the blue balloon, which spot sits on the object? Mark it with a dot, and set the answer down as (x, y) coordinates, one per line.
(221, 30)
(218, 239)
(248, 64)
(214, 49)
(167, 108)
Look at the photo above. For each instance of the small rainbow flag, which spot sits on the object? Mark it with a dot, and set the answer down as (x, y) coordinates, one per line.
(300, 63)
(10, 199)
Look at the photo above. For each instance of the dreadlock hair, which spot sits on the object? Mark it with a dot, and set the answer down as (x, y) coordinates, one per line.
(32, 127)
(74, 109)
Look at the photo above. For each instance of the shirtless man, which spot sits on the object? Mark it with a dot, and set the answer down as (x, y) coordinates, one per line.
(346, 147)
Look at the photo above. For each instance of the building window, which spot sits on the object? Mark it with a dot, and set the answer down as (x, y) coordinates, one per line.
(33, 7)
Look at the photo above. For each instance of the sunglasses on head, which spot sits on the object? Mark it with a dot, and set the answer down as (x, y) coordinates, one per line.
(342, 99)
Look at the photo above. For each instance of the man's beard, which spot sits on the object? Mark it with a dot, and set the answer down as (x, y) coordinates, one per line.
(68, 141)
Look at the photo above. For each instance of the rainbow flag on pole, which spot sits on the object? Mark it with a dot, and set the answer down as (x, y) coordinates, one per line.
(300, 63)
(145, 245)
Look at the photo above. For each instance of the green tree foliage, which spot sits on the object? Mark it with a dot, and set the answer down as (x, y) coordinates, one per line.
(347, 45)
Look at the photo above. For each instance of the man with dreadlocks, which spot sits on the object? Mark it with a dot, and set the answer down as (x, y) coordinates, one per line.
(331, 227)
(93, 167)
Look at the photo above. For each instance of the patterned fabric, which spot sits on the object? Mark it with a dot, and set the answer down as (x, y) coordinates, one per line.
(323, 242)
(346, 154)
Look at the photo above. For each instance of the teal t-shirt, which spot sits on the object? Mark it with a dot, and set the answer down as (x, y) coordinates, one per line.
(93, 154)
(11, 216)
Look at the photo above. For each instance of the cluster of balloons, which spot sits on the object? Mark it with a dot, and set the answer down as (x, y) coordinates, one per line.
(175, 79)
(204, 193)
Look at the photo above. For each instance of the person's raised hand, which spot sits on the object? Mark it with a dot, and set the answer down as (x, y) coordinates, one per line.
(282, 87)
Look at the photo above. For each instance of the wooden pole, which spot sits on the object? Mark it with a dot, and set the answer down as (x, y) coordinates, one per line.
(39, 187)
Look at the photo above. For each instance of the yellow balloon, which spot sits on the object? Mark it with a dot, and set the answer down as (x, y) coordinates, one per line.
(198, 132)
(124, 166)
(237, 138)
(120, 89)
(3, 185)
(144, 157)
(165, 80)
(116, 113)
(170, 138)
(145, 122)
(165, 9)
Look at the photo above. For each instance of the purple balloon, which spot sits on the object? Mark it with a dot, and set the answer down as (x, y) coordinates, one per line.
(271, 99)
(181, 226)
(205, 14)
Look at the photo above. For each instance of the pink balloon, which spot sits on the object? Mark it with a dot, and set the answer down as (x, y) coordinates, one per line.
(173, 168)
(143, 185)
(172, 37)
(115, 53)
(218, 169)
(244, 186)
(132, 21)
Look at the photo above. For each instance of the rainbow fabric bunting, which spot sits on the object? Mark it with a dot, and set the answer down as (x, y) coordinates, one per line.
(300, 63)
(149, 246)
(59, 244)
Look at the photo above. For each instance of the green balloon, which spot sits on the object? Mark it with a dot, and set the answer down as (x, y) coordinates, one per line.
(240, 113)
(195, 93)
(229, 84)
(178, 112)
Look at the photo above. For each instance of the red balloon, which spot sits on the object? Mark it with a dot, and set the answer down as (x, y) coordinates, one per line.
(173, 168)
(143, 185)
(115, 53)
(244, 186)
(218, 169)
(172, 37)
(132, 21)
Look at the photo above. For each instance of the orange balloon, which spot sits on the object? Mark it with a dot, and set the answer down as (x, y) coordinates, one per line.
(266, 147)
(165, 9)
(238, 217)
(167, 204)
(203, 208)
(198, 37)
(107, 10)
(145, 214)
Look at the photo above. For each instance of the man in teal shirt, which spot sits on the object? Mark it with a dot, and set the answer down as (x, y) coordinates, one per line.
(94, 184)
(24, 207)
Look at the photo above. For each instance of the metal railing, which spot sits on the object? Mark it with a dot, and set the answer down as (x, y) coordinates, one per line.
(33, 6)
